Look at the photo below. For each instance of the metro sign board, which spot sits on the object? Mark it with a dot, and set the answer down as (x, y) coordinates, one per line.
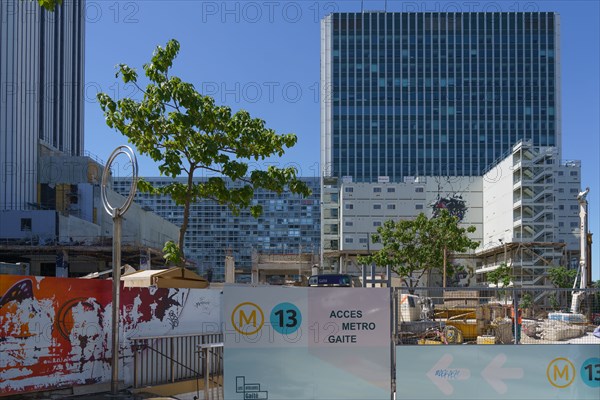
(306, 343)
(533, 372)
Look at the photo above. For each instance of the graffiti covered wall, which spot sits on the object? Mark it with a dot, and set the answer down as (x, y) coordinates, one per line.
(56, 332)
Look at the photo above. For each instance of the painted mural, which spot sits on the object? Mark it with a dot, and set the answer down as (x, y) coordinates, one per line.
(56, 332)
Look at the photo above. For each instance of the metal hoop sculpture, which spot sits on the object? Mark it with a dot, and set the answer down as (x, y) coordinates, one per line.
(118, 211)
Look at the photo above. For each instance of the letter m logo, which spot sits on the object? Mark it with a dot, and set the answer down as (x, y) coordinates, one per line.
(561, 374)
(245, 320)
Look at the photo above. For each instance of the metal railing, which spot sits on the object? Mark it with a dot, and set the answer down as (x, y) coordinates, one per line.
(167, 359)
(212, 360)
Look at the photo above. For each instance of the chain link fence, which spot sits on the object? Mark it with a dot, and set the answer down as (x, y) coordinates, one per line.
(434, 316)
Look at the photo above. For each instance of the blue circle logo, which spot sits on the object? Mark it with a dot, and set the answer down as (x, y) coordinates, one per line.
(285, 318)
(590, 372)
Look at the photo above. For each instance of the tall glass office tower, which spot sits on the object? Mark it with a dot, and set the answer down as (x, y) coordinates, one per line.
(412, 94)
(41, 92)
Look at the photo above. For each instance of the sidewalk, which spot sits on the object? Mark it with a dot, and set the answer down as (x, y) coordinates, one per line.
(108, 396)
(123, 395)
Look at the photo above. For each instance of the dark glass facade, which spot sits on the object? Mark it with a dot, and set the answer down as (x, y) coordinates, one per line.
(409, 94)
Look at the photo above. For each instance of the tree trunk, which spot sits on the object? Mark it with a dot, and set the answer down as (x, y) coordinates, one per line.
(186, 214)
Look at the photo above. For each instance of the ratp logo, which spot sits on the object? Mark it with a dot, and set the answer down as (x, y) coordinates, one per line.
(560, 373)
(247, 318)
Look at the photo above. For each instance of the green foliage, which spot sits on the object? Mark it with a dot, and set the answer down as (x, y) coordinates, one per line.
(413, 247)
(554, 303)
(562, 277)
(172, 254)
(526, 301)
(185, 132)
(49, 5)
(501, 275)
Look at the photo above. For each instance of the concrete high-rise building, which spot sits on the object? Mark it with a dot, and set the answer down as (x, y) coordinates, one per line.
(422, 111)
(41, 91)
(51, 215)
(435, 94)
(289, 225)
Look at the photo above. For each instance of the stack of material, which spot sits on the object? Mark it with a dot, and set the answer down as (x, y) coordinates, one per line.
(558, 330)
(461, 298)
(503, 330)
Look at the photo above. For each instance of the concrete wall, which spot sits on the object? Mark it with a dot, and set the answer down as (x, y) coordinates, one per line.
(365, 206)
(498, 204)
(139, 226)
(567, 187)
(60, 169)
(57, 333)
(13, 225)
(76, 229)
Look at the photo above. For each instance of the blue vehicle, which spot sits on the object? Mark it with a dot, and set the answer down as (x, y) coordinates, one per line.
(334, 280)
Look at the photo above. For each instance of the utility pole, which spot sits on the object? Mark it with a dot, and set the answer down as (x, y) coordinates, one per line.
(445, 261)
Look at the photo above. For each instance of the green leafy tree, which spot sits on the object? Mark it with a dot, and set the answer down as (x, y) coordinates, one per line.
(554, 303)
(563, 278)
(185, 132)
(501, 276)
(526, 303)
(414, 247)
(49, 5)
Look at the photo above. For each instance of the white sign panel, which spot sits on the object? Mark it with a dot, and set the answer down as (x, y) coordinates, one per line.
(534, 372)
(307, 343)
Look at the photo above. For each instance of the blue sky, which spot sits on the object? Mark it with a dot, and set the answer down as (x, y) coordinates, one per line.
(263, 56)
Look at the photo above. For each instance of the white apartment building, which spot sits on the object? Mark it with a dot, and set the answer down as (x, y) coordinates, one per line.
(524, 209)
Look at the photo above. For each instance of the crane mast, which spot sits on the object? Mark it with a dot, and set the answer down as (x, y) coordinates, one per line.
(583, 232)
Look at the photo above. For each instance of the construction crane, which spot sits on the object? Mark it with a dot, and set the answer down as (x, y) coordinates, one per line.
(578, 296)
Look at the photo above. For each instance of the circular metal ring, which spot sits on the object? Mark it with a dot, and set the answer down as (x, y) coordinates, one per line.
(118, 211)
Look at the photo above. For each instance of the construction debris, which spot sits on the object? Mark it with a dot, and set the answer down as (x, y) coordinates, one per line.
(553, 330)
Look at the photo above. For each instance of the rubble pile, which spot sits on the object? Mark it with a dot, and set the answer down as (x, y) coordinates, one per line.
(553, 330)
(503, 330)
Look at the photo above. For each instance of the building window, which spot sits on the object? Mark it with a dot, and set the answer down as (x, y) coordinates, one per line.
(391, 206)
(349, 240)
(376, 223)
(26, 224)
(391, 190)
(560, 173)
(349, 206)
(561, 224)
(573, 173)
(574, 224)
(376, 206)
(419, 189)
(561, 190)
(376, 190)
(418, 206)
(561, 207)
(349, 223)
(574, 190)
(363, 240)
(349, 189)
(574, 207)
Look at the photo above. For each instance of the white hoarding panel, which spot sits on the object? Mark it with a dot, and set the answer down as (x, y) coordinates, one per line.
(307, 343)
(534, 372)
